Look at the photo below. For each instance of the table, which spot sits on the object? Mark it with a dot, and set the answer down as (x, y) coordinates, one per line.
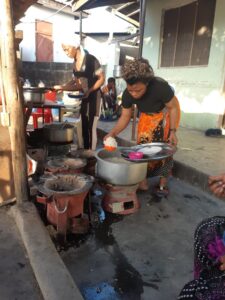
(61, 108)
(48, 104)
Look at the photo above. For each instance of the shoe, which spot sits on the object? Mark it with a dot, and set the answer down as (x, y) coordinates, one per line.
(161, 191)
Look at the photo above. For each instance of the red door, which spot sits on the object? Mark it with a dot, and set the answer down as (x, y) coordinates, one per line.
(44, 42)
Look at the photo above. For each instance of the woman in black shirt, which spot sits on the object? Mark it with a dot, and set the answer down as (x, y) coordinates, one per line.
(159, 116)
(88, 78)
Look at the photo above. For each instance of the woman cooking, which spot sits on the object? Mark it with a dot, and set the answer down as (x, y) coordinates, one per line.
(88, 78)
(159, 116)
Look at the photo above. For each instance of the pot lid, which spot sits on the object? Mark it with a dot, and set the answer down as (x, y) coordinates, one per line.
(36, 89)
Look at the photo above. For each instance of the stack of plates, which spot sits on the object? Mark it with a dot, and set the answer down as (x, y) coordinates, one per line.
(72, 99)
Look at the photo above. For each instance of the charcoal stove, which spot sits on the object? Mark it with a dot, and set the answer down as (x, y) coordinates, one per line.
(65, 165)
(63, 197)
(120, 179)
(120, 199)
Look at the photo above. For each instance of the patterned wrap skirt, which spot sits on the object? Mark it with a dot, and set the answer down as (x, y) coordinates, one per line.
(155, 128)
(209, 246)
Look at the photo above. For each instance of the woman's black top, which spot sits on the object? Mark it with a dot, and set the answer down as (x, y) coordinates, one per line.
(158, 93)
(87, 74)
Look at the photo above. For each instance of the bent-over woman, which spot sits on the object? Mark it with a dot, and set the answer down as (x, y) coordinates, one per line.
(159, 114)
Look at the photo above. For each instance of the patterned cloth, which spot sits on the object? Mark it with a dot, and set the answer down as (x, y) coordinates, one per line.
(209, 246)
(155, 128)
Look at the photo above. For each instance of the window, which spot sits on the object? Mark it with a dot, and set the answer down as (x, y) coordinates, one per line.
(187, 33)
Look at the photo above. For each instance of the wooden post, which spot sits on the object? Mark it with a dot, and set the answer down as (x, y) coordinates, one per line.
(81, 34)
(14, 102)
(142, 23)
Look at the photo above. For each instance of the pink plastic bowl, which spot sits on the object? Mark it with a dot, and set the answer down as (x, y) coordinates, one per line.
(136, 155)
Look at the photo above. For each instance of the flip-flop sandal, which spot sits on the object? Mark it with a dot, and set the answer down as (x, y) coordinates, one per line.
(161, 192)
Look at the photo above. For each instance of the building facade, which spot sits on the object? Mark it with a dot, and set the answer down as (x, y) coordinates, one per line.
(185, 43)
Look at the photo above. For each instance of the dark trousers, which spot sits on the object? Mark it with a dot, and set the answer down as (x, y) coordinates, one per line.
(88, 112)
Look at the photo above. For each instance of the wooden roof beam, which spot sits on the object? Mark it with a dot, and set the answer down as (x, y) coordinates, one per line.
(124, 6)
(133, 13)
(126, 18)
(60, 6)
(78, 4)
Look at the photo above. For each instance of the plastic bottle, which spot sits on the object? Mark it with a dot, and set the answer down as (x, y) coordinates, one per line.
(26, 83)
(41, 84)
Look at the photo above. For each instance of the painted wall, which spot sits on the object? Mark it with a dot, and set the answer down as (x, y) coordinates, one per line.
(63, 27)
(103, 21)
(199, 89)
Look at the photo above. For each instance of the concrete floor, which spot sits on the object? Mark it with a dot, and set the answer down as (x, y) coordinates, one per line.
(147, 255)
(17, 281)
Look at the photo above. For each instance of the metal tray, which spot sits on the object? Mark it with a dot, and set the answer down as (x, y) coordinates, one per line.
(167, 151)
(79, 96)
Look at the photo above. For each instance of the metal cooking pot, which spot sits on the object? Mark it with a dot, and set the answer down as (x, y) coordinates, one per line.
(34, 94)
(58, 132)
(114, 169)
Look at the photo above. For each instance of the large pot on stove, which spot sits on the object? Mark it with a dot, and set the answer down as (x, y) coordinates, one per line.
(59, 132)
(113, 168)
(34, 94)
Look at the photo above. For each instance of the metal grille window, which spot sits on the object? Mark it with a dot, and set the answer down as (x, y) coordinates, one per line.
(187, 33)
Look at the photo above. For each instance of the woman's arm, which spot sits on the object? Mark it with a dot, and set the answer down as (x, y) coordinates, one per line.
(72, 85)
(98, 83)
(173, 113)
(122, 123)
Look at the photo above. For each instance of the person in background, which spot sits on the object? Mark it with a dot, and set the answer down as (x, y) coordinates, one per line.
(109, 95)
(88, 77)
(159, 115)
(209, 254)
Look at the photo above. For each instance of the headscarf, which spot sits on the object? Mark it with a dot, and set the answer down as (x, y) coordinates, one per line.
(71, 40)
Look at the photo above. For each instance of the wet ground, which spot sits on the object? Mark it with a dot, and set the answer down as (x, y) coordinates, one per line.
(146, 255)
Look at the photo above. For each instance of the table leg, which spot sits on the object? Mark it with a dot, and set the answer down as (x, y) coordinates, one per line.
(43, 115)
(27, 115)
(60, 116)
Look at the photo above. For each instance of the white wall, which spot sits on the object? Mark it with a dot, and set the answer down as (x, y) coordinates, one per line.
(100, 20)
(199, 88)
(63, 26)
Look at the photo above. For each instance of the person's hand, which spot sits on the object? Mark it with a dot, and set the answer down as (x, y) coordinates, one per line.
(86, 94)
(58, 87)
(217, 185)
(173, 138)
(222, 261)
(108, 135)
(105, 89)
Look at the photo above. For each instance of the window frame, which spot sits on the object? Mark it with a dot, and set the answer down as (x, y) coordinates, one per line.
(190, 65)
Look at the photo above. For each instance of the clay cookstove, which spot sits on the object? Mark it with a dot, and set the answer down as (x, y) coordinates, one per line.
(120, 179)
(65, 165)
(64, 195)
